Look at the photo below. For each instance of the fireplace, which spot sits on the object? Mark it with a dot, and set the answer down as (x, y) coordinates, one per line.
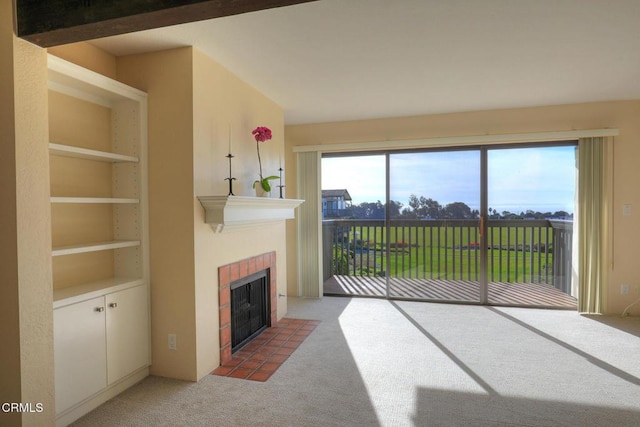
(261, 267)
(249, 308)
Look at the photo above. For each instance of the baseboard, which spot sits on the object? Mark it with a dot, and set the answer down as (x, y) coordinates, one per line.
(72, 414)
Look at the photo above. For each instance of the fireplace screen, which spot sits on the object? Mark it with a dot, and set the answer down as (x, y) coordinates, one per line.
(249, 308)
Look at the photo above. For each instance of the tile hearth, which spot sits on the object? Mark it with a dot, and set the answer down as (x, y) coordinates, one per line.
(261, 357)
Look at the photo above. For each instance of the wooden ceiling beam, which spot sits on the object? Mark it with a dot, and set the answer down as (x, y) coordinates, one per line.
(56, 22)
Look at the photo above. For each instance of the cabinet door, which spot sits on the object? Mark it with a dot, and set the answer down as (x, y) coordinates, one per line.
(127, 332)
(79, 351)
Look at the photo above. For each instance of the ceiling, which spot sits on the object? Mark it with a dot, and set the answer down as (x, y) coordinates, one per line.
(337, 60)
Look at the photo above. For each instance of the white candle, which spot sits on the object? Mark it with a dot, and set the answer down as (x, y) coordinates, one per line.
(229, 138)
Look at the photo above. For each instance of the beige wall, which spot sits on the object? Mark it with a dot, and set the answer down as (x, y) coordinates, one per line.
(192, 103)
(624, 115)
(34, 229)
(167, 78)
(10, 375)
(26, 311)
(88, 56)
(224, 103)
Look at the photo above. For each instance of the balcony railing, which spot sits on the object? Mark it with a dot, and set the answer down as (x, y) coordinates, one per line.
(526, 251)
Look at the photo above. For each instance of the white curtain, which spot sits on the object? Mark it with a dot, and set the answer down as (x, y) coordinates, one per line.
(592, 222)
(309, 226)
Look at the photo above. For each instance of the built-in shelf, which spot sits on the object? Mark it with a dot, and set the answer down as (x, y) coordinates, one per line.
(94, 247)
(86, 291)
(87, 154)
(233, 213)
(98, 150)
(107, 200)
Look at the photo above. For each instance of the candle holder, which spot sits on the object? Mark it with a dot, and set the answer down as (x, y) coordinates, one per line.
(280, 186)
(230, 178)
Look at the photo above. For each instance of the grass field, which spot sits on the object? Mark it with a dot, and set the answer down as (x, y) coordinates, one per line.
(516, 253)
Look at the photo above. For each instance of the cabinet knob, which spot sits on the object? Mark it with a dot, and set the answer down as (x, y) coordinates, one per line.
(113, 305)
(99, 309)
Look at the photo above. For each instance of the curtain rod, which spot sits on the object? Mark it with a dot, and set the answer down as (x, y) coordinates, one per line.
(456, 141)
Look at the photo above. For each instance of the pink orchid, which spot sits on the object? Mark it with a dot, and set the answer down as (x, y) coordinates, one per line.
(262, 134)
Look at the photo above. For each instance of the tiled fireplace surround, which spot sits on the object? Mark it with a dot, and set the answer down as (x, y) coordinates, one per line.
(228, 274)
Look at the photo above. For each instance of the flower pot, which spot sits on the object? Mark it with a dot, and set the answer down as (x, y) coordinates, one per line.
(260, 191)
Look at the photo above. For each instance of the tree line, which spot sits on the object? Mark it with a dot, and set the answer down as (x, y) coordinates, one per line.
(427, 208)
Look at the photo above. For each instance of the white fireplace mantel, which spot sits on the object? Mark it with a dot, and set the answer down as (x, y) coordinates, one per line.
(233, 213)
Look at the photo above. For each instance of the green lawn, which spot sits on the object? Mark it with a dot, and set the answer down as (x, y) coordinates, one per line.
(447, 253)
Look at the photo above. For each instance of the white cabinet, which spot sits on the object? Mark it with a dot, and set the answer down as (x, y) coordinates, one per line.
(127, 332)
(80, 352)
(98, 342)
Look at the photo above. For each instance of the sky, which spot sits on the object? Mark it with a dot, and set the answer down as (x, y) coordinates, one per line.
(540, 179)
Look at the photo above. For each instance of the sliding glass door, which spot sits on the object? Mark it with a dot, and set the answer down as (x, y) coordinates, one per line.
(489, 225)
(353, 224)
(433, 228)
(531, 198)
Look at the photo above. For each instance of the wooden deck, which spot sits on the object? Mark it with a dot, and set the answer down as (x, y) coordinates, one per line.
(511, 294)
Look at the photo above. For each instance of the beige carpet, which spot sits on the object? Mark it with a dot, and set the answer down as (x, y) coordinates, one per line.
(375, 362)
